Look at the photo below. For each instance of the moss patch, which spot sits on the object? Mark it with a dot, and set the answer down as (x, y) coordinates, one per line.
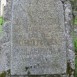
(1, 20)
(75, 47)
(1, 23)
(3, 74)
(75, 44)
(76, 67)
(75, 21)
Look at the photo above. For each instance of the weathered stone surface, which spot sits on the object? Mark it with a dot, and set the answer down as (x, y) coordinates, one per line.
(40, 75)
(5, 40)
(38, 37)
(69, 34)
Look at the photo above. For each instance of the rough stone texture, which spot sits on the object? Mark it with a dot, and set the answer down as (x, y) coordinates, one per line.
(38, 37)
(32, 24)
(7, 11)
(69, 35)
(5, 44)
(41, 76)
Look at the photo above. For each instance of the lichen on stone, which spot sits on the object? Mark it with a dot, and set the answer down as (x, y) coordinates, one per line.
(3, 74)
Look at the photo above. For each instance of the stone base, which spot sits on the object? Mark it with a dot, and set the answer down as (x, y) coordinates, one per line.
(40, 76)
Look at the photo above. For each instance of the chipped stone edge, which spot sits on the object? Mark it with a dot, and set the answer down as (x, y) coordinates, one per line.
(69, 38)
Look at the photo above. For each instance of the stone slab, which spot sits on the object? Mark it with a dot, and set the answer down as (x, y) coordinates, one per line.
(38, 37)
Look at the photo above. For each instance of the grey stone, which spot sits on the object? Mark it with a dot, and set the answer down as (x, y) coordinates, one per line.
(14, 76)
(38, 37)
(69, 36)
(7, 11)
(5, 41)
(40, 42)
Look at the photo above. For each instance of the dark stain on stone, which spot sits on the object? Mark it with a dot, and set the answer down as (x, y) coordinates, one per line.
(46, 59)
(8, 72)
(53, 76)
(28, 73)
(26, 68)
(44, 75)
(69, 69)
(34, 66)
(0, 48)
(37, 64)
(30, 66)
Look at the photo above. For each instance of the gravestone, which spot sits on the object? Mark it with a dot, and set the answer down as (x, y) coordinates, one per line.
(38, 38)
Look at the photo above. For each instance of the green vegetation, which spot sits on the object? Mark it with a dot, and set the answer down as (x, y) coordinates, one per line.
(75, 21)
(75, 44)
(76, 66)
(3, 74)
(1, 23)
(75, 47)
(74, 4)
(74, 8)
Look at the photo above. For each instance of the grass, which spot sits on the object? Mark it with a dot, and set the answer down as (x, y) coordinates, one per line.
(75, 21)
(76, 67)
(75, 47)
(75, 44)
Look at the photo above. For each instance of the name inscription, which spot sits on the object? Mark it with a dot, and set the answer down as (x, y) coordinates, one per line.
(35, 42)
